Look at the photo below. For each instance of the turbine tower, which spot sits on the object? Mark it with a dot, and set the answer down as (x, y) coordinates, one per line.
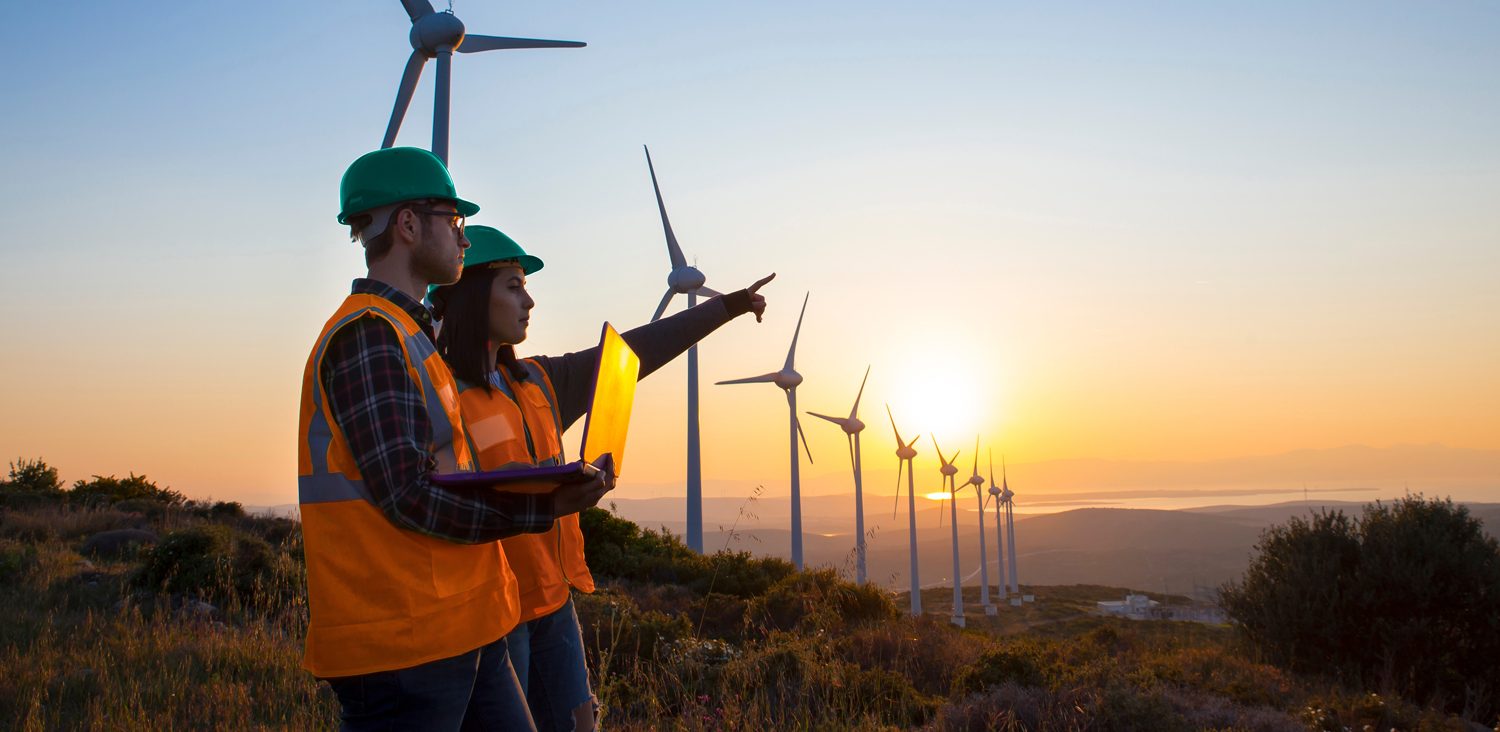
(999, 525)
(852, 427)
(951, 486)
(788, 379)
(1008, 497)
(984, 565)
(905, 453)
(438, 35)
(685, 279)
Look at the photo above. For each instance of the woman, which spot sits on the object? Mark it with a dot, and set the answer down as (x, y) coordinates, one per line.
(516, 412)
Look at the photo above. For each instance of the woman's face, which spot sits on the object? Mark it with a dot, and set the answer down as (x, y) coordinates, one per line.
(510, 307)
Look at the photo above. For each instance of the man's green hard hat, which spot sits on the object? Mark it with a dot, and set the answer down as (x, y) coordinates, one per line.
(488, 244)
(393, 175)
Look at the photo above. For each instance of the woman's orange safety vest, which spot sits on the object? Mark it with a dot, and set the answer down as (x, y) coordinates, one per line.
(500, 423)
(382, 597)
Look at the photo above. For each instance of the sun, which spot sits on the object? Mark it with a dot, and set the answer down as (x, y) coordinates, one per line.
(945, 399)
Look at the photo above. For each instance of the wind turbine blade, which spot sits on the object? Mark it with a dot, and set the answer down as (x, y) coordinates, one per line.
(976, 457)
(941, 513)
(707, 292)
(992, 466)
(771, 377)
(416, 8)
(851, 449)
(855, 411)
(475, 44)
(791, 353)
(662, 308)
(941, 459)
(673, 251)
(804, 440)
(834, 420)
(899, 465)
(409, 78)
(893, 425)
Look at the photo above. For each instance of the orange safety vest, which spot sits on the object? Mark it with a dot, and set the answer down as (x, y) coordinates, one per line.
(500, 423)
(382, 597)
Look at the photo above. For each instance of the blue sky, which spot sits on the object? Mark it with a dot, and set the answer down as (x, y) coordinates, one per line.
(1155, 230)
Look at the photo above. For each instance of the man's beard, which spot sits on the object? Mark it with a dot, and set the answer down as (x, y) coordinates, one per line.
(433, 263)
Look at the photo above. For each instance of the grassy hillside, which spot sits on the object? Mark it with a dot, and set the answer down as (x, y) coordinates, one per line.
(199, 626)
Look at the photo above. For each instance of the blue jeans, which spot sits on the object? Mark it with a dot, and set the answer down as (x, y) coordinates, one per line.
(548, 657)
(471, 691)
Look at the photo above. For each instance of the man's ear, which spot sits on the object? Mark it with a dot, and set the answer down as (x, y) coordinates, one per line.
(405, 225)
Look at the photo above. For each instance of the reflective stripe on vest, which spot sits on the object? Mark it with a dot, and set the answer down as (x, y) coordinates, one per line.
(382, 597)
(545, 564)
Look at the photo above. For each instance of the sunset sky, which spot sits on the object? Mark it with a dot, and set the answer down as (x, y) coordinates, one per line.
(1173, 231)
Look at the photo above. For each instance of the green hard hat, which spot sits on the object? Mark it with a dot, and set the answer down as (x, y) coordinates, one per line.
(488, 244)
(393, 175)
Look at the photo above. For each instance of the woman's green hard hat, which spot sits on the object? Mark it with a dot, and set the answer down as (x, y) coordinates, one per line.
(393, 175)
(488, 244)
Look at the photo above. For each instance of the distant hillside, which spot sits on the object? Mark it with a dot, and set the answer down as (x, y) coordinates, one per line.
(1175, 551)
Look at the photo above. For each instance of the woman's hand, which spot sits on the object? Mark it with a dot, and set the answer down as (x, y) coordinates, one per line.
(757, 300)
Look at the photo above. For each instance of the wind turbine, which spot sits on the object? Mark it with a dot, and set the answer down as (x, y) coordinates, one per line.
(905, 453)
(999, 525)
(687, 280)
(852, 427)
(1008, 498)
(948, 472)
(984, 565)
(437, 35)
(788, 379)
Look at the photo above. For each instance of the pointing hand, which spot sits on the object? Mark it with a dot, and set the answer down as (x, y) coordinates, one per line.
(757, 300)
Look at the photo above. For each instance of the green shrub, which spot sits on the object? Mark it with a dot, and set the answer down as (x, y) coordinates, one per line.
(111, 489)
(1407, 598)
(1018, 662)
(218, 564)
(32, 476)
(818, 599)
(17, 561)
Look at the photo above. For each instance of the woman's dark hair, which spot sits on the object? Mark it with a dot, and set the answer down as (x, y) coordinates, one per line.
(464, 308)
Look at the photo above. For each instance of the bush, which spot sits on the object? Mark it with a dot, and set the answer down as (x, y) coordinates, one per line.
(1406, 598)
(112, 489)
(217, 564)
(32, 476)
(818, 599)
(1018, 662)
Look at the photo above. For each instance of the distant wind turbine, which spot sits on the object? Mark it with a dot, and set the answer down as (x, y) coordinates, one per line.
(905, 453)
(687, 280)
(1008, 498)
(788, 379)
(999, 525)
(438, 35)
(852, 427)
(951, 486)
(984, 565)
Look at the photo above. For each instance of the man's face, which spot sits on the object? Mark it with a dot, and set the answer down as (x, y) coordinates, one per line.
(438, 257)
(510, 307)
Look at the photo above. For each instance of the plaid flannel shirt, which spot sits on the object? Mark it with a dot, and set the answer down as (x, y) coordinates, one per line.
(384, 418)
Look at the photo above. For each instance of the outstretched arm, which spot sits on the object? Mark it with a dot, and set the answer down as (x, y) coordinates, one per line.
(656, 343)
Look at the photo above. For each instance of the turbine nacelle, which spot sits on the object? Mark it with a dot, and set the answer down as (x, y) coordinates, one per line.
(436, 31)
(853, 426)
(1007, 494)
(906, 452)
(976, 481)
(949, 471)
(787, 379)
(994, 491)
(685, 279)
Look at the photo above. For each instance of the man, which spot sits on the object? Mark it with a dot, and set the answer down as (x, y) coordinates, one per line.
(407, 607)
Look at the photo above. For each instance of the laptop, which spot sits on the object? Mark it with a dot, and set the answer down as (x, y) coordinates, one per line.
(604, 428)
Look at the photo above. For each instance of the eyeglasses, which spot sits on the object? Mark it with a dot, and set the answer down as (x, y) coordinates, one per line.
(455, 219)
